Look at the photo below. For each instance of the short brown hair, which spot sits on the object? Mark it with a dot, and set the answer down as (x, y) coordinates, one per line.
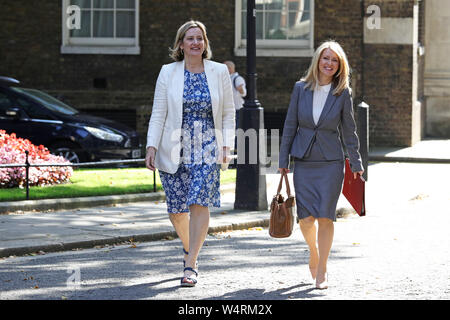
(176, 53)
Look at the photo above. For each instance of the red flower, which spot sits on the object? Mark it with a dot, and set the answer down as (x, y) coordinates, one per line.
(12, 150)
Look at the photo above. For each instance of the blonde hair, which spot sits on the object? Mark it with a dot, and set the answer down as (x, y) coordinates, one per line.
(176, 53)
(341, 79)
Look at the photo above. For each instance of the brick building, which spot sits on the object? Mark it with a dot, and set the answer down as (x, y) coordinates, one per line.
(108, 64)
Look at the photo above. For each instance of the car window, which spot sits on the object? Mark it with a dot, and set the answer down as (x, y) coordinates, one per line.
(5, 103)
(33, 111)
(47, 100)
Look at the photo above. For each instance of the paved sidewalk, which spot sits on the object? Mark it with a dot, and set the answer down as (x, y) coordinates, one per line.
(431, 151)
(30, 232)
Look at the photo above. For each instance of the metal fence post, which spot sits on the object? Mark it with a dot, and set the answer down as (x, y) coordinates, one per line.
(27, 172)
(363, 134)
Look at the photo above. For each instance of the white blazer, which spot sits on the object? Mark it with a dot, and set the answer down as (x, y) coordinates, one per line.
(164, 128)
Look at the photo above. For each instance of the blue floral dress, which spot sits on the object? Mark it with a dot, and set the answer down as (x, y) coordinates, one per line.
(197, 180)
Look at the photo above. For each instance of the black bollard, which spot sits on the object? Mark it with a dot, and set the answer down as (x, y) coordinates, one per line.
(363, 134)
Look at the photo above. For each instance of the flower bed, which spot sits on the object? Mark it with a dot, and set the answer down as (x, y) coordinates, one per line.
(12, 150)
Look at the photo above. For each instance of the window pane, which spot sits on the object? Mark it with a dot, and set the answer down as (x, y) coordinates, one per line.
(307, 5)
(274, 4)
(103, 24)
(275, 26)
(293, 18)
(259, 4)
(299, 25)
(295, 5)
(85, 24)
(244, 25)
(83, 4)
(103, 4)
(279, 19)
(306, 16)
(125, 24)
(125, 4)
(259, 25)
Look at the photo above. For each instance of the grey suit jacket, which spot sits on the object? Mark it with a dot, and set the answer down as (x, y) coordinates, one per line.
(300, 131)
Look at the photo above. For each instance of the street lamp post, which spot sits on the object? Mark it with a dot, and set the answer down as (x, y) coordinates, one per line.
(250, 183)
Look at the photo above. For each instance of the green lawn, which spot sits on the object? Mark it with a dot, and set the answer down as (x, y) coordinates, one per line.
(100, 182)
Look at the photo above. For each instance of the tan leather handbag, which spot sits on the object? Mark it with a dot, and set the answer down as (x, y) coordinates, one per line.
(281, 220)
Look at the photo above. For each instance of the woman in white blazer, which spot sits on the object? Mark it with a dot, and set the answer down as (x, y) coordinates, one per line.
(190, 133)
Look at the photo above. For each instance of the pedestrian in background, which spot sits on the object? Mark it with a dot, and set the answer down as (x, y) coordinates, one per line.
(191, 131)
(321, 103)
(239, 89)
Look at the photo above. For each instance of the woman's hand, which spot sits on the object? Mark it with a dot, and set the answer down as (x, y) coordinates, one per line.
(355, 174)
(284, 170)
(226, 155)
(150, 158)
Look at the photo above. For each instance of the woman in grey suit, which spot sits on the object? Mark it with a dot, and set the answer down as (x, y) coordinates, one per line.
(321, 108)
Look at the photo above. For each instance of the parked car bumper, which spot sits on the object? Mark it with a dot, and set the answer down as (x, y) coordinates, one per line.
(110, 154)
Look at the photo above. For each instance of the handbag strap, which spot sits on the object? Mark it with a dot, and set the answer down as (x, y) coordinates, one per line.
(288, 188)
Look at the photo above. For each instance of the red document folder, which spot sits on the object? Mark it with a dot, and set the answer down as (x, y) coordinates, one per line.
(354, 190)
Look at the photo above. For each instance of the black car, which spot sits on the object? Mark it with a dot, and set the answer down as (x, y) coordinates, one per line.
(33, 114)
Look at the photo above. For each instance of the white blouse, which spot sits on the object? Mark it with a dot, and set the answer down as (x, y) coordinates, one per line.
(319, 99)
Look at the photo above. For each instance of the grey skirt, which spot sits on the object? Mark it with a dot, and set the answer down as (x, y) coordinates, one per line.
(318, 184)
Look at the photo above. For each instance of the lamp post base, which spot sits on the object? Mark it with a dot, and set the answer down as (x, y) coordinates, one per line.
(250, 183)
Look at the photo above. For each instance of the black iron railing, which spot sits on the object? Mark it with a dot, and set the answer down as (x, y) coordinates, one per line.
(27, 165)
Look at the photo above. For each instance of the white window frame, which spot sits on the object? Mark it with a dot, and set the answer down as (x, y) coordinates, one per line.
(80, 45)
(276, 48)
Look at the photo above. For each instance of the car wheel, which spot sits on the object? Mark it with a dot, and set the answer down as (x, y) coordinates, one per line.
(69, 152)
